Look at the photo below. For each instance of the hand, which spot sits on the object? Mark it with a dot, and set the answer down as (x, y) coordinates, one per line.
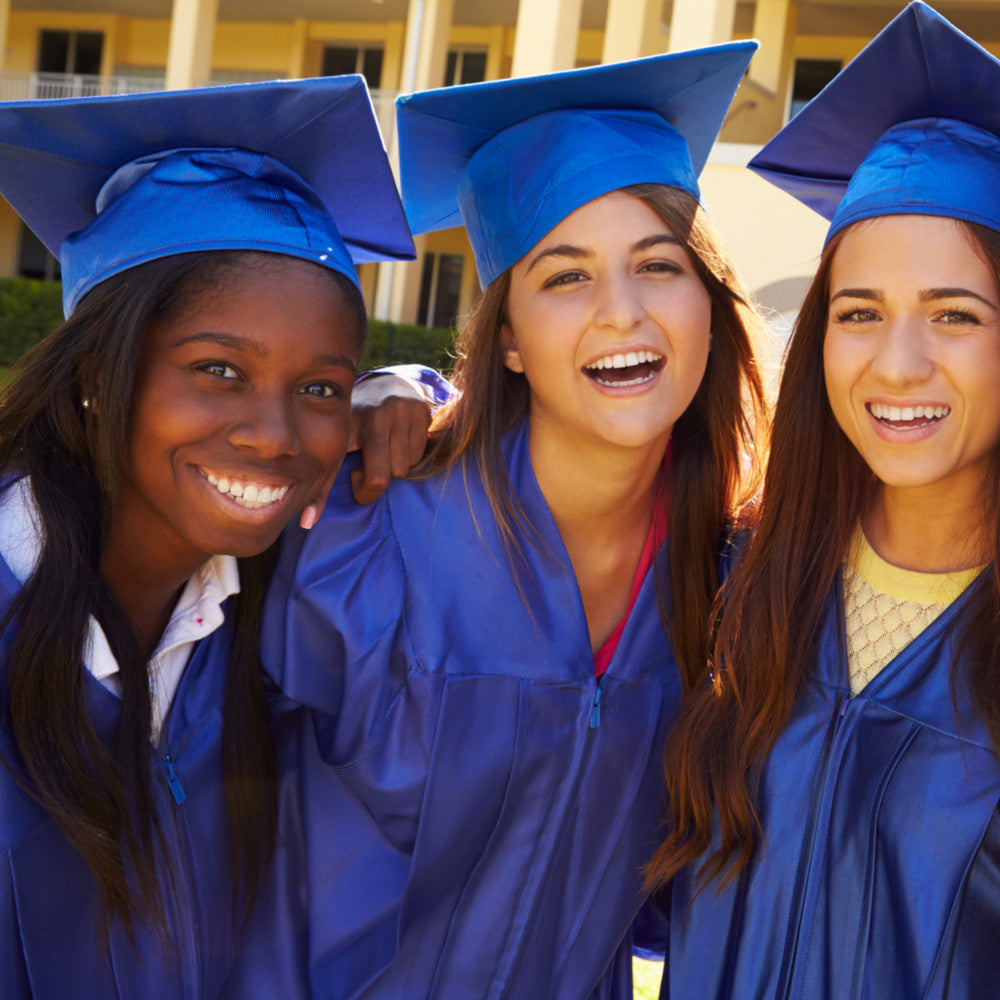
(389, 422)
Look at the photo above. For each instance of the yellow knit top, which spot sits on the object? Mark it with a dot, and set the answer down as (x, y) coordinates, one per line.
(886, 608)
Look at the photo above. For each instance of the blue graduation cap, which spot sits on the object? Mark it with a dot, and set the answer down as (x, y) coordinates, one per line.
(294, 167)
(512, 158)
(911, 126)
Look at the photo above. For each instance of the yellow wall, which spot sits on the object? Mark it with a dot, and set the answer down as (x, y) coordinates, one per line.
(143, 42)
(245, 45)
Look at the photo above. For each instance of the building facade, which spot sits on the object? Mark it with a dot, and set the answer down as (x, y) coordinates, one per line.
(52, 48)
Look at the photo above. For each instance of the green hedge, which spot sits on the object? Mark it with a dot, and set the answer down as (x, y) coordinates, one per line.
(29, 310)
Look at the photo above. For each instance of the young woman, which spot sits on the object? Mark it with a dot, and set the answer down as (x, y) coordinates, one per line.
(835, 786)
(483, 647)
(195, 401)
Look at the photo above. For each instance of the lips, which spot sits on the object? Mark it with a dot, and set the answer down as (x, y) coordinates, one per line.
(908, 417)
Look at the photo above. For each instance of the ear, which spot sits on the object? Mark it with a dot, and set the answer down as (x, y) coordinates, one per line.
(511, 355)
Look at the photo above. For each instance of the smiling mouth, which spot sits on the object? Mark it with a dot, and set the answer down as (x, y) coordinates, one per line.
(246, 492)
(907, 417)
(630, 368)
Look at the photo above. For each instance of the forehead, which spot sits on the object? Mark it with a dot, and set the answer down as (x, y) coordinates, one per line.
(270, 299)
(590, 220)
(903, 251)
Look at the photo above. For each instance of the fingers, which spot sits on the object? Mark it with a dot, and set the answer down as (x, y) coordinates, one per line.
(389, 425)
(311, 512)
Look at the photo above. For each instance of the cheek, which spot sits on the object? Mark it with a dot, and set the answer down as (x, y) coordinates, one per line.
(324, 438)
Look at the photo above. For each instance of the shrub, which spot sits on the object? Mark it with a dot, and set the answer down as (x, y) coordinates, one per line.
(29, 311)
(400, 344)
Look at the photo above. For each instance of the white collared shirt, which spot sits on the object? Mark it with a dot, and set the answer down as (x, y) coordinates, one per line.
(198, 611)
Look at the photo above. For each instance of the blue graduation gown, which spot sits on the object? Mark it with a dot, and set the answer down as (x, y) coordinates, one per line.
(50, 946)
(484, 824)
(880, 876)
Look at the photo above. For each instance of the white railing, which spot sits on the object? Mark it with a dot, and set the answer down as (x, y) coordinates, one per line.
(42, 86)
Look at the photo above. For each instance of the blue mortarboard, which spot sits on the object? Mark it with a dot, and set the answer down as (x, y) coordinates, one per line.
(908, 127)
(512, 158)
(294, 167)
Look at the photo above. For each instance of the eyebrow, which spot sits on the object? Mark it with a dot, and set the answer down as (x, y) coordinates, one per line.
(928, 295)
(578, 253)
(871, 294)
(248, 345)
(934, 294)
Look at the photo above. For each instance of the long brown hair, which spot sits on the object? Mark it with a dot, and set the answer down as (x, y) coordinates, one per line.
(716, 443)
(99, 794)
(817, 486)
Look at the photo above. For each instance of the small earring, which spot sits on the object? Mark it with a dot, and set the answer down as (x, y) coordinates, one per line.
(85, 402)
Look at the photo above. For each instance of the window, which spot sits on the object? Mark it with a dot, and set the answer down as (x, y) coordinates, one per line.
(73, 52)
(440, 286)
(366, 60)
(34, 260)
(811, 76)
(465, 66)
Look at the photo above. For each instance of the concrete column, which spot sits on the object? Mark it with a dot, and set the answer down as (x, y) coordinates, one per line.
(632, 30)
(299, 46)
(495, 52)
(774, 23)
(426, 53)
(546, 39)
(392, 55)
(701, 22)
(4, 23)
(397, 292)
(192, 33)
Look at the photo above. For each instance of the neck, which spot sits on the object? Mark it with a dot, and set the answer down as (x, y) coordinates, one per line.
(597, 493)
(602, 504)
(147, 589)
(923, 531)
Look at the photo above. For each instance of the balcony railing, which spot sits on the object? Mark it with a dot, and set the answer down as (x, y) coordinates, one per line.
(42, 86)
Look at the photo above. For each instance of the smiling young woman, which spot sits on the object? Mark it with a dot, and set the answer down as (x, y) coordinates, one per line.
(495, 649)
(834, 783)
(152, 449)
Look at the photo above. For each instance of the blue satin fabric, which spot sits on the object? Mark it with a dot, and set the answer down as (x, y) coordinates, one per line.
(482, 828)
(880, 875)
(49, 907)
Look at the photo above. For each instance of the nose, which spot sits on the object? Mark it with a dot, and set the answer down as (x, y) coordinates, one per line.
(902, 358)
(267, 427)
(617, 302)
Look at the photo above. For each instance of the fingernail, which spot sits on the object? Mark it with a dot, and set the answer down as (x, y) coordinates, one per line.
(308, 517)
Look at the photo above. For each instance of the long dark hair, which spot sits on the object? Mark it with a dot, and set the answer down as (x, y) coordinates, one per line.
(817, 487)
(716, 442)
(100, 795)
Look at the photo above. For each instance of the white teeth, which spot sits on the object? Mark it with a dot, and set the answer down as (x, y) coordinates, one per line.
(898, 414)
(248, 495)
(626, 360)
